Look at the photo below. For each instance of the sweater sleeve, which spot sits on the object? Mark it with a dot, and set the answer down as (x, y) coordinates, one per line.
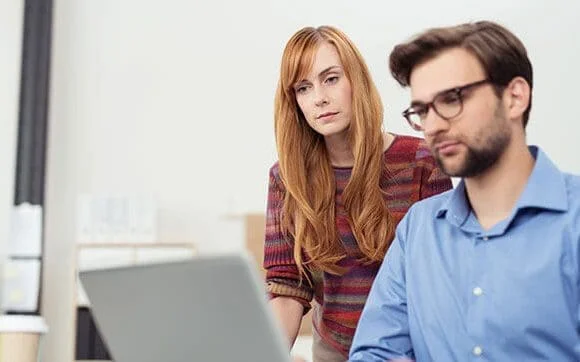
(433, 180)
(282, 273)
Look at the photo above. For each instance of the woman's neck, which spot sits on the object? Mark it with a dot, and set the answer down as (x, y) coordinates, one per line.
(340, 151)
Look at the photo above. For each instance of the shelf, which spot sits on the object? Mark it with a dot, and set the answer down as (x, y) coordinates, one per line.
(134, 245)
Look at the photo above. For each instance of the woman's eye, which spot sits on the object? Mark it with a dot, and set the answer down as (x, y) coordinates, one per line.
(332, 80)
(301, 89)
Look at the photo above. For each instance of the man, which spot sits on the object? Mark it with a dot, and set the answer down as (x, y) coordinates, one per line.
(490, 270)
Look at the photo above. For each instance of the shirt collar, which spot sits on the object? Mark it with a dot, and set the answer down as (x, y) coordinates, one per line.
(546, 189)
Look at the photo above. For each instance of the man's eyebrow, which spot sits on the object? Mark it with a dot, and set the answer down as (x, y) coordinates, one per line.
(415, 102)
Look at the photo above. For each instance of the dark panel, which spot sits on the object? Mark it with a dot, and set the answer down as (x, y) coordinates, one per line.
(33, 109)
(83, 343)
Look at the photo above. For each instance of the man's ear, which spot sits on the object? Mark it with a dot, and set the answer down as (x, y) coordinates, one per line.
(517, 98)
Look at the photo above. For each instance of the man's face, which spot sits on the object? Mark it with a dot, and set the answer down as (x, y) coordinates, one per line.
(472, 141)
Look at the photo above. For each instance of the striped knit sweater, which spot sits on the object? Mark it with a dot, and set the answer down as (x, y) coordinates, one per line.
(411, 174)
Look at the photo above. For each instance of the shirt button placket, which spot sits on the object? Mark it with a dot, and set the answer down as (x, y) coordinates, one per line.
(477, 293)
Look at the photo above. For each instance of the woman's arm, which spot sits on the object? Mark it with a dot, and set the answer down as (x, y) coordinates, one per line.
(289, 313)
(290, 292)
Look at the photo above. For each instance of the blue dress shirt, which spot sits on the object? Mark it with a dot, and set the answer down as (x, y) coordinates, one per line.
(450, 291)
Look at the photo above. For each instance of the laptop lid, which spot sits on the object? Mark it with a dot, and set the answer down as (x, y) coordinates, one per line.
(210, 308)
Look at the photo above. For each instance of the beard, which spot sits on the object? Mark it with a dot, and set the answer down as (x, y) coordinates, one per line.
(479, 159)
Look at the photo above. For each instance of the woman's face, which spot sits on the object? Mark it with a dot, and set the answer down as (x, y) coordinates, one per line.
(325, 95)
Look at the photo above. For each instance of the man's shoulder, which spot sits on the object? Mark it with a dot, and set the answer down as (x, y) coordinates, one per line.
(572, 183)
(432, 205)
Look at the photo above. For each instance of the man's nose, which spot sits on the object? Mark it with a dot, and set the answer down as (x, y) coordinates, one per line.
(434, 123)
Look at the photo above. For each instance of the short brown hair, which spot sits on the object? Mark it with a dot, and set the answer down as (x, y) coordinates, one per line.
(502, 55)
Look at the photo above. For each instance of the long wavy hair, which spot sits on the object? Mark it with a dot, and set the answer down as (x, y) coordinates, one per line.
(309, 211)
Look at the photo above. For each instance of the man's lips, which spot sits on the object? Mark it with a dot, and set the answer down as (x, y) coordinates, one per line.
(447, 146)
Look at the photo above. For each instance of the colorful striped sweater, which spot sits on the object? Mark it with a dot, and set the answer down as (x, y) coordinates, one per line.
(411, 174)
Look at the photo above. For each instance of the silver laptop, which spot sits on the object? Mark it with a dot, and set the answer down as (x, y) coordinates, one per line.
(210, 309)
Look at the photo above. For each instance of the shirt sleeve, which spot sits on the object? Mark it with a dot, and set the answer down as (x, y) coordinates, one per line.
(382, 333)
(282, 274)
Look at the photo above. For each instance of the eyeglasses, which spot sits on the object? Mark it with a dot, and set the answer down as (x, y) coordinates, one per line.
(447, 104)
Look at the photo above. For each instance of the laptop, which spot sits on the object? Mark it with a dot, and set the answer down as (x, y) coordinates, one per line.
(209, 308)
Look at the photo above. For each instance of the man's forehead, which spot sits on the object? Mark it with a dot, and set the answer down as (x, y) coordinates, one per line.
(449, 69)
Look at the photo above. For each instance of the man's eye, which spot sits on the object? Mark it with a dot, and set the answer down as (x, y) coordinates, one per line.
(420, 110)
(450, 98)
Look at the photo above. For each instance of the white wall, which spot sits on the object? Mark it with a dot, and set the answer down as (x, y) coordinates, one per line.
(11, 18)
(175, 98)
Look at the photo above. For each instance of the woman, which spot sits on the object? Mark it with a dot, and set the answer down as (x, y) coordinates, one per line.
(338, 190)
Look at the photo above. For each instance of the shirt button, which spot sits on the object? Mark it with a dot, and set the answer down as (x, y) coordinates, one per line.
(477, 291)
(477, 351)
